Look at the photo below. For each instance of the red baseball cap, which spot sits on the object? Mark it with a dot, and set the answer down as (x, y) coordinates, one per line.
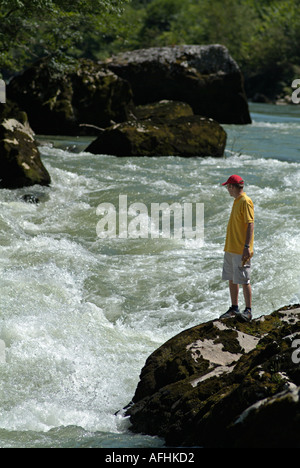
(234, 179)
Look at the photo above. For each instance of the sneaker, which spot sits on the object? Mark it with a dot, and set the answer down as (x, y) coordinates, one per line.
(246, 316)
(231, 313)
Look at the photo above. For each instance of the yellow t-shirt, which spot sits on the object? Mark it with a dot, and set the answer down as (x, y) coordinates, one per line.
(241, 215)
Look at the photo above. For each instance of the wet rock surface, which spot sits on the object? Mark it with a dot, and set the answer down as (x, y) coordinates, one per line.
(224, 384)
(20, 161)
(163, 129)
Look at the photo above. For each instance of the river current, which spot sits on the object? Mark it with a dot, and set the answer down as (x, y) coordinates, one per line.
(80, 314)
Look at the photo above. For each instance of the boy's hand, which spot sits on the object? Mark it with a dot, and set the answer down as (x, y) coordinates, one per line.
(246, 255)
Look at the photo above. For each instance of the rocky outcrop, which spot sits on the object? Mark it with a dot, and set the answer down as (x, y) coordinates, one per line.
(224, 384)
(162, 129)
(20, 161)
(59, 102)
(205, 77)
(80, 98)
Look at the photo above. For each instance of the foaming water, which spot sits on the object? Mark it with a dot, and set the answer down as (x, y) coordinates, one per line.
(80, 315)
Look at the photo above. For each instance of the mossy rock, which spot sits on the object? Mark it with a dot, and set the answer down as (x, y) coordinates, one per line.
(210, 385)
(184, 136)
(163, 111)
(59, 101)
(20, 162)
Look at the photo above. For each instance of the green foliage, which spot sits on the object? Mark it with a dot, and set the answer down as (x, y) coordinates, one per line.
(261, 35)
(159, 19)
(277, 37)
(30, 29)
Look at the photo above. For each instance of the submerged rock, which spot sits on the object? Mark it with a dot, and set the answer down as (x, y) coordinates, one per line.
(30, 198)
(20, 161)
(205, 77)
(58, 102)
(224, 384)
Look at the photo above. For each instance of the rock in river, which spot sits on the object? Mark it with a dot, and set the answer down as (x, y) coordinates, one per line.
(224, 384)
(205, 77)
(58, 101)
(20, 162)
(165, 128)
(184, 136)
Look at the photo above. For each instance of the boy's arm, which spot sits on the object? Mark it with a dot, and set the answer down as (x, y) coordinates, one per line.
(249, 235)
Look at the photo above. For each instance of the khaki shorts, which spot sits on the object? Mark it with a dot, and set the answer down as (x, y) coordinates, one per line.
(234, 270)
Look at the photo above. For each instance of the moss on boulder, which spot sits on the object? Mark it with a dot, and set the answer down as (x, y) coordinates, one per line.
(59, 101)
(224, 384)
(162, 129)
(163, 110)
(20, 162)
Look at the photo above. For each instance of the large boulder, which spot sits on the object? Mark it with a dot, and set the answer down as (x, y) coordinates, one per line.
(224, 384)
(71, 101)
(206, 77)
(20, 161)
(187, 135)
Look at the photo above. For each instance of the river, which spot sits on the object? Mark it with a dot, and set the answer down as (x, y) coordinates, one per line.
(80, 314)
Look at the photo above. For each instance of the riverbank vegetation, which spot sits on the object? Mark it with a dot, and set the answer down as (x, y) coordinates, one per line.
(263, 36)
(31, 29)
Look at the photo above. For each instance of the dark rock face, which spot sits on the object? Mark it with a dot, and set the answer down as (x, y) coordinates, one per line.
(20, 162)
(205, 77)
(76, 99)
(224, 384)
(163, 110)
(184, 136)
(58, 102)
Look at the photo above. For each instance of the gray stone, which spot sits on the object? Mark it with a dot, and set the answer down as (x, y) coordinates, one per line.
(224, 384)
(205, 77)
(20, 162)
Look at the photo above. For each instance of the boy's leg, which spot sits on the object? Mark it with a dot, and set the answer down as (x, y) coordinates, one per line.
(247, 295)
(234, 293)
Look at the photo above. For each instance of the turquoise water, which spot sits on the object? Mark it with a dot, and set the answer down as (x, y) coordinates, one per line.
(79, 315)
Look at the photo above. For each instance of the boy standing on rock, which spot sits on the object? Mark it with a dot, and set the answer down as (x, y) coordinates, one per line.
(239, 249)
